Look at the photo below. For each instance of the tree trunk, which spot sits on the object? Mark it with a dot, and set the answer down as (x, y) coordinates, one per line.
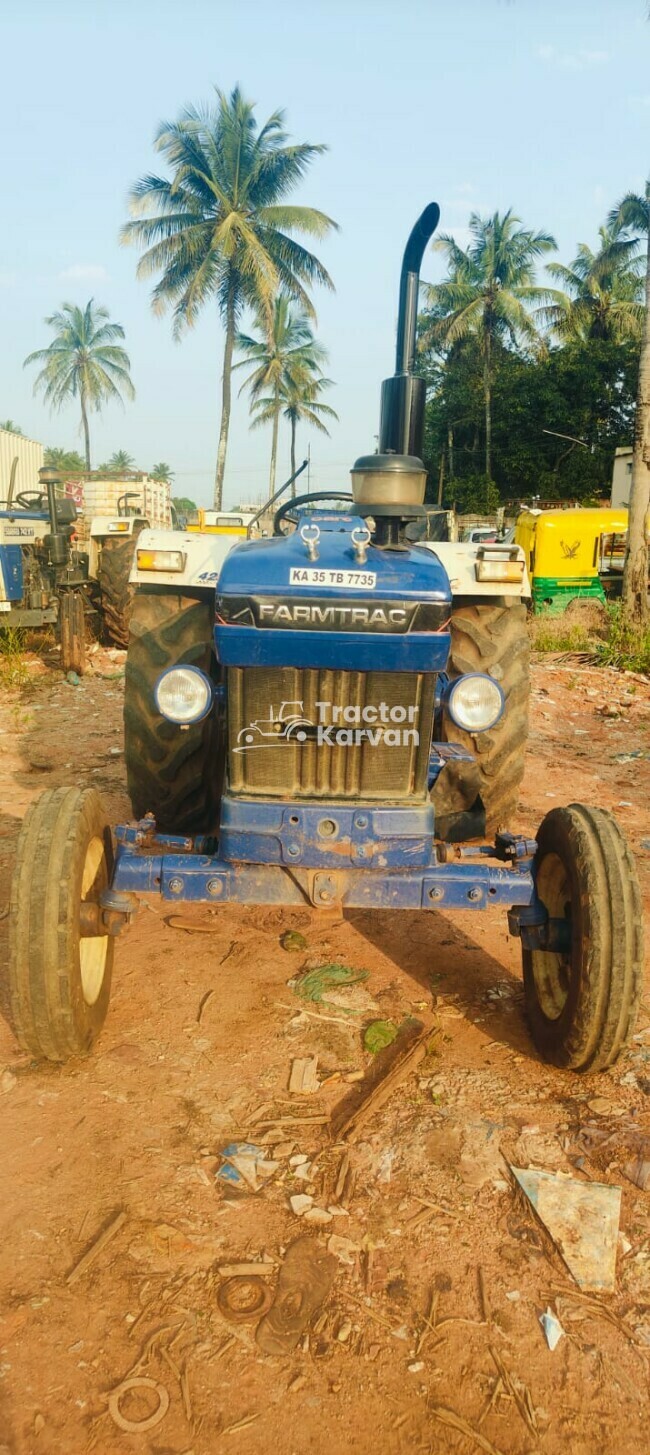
(225, 395)
(450, 442)
(274, 445)
(293, 454)
(84, 421)
(487, 389)
(635, 576)
(441, 477)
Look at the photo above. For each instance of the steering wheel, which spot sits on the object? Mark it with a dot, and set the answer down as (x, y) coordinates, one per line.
(32, 499)
(288, 510)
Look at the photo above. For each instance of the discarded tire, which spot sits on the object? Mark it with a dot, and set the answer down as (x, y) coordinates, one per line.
(477, 798)
(582, 1004)
(171, 773)
(116, 592)
(59, 979)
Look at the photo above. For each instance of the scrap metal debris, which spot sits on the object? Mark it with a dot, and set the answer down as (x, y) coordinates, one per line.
(242, 1299)
(582, 1219)
(138, 1427)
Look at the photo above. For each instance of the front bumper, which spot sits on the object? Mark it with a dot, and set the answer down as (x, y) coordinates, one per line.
(193, 871)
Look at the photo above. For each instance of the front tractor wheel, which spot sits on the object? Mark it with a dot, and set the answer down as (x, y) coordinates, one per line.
(172, 773)
(582, 1001)
(59, 975)
(115, 589)
(476, 799)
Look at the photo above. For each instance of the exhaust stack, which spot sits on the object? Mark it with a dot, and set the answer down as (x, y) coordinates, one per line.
(401, 426)
(396, 476)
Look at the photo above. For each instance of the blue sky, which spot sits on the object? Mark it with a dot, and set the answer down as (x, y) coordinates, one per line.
(542, 105)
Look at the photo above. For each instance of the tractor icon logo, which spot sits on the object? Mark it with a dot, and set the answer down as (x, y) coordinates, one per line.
(570, 551)
(290, 726)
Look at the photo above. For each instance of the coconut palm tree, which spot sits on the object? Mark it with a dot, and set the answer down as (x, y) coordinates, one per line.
(303, 406)
(162, 472)
(601, 294)
(283, 355)
(487, 292)
(631, 217)
(120, 463)
(9, 425)
(219, 227)
(83, 362)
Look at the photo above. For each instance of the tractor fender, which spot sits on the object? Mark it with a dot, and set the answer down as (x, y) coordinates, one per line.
(460, 559)
(203, 557)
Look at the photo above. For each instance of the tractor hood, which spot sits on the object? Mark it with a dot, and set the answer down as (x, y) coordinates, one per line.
(326, 597)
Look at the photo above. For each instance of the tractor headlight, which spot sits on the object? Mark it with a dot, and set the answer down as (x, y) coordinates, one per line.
(474, 702)
(160, 560)
(183, 695)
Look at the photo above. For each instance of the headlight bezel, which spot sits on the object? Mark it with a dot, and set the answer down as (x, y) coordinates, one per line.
(193, 672)
(450, 702)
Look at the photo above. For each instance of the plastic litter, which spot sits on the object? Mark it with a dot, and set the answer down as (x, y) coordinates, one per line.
(75, 681)
(245, 1166)
(582, 1219)
(378, 1035)
(552, 1327)
(292, 940)
(315, 983)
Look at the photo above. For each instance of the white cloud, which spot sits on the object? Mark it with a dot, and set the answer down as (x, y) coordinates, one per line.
(580, 60)
(84, 273)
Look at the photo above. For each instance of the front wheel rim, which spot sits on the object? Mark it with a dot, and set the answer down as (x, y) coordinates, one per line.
(552, 970)
(93, 949)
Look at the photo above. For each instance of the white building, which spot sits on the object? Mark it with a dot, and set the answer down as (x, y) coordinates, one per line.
(622, 477)
(29, 455)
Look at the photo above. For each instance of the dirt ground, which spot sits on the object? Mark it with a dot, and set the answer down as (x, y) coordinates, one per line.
(445, 1272)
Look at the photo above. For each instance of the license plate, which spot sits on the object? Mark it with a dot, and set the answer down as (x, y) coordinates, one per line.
(321, 576)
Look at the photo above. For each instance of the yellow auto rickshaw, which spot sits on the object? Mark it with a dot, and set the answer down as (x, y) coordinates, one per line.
(572, 553)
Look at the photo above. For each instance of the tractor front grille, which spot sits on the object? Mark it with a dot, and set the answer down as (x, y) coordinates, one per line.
(273, 747)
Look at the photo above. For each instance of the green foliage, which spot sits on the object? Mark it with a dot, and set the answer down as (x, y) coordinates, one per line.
(162, 471)
(67, 461)
(13, 671)
(10, 427)
(120, 462)
(627, 646)
(183, 505)
(555, 634)
(475, 495)
(587, 391)
(603, 291)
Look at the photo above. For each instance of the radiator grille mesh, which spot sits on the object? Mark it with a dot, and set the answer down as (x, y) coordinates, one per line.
(276, 765)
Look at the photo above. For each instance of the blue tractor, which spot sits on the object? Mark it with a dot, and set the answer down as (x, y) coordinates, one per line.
(284, 747)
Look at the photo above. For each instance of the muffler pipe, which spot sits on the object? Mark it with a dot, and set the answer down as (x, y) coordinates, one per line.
(401, 429)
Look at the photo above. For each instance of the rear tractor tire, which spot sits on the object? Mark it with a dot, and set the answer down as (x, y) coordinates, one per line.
(59, 979)
(116, 591)
(72, 629)
(472, 800)
(582, 1003)
(172, 773)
